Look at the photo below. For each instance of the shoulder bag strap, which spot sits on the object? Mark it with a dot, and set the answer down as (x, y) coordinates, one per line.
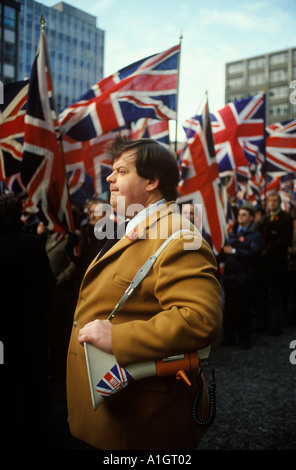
(142, 273)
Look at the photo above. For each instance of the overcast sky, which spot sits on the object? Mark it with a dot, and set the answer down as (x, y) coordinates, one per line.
(214, 33)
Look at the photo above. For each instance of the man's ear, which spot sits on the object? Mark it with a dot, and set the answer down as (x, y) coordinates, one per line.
(152, 184)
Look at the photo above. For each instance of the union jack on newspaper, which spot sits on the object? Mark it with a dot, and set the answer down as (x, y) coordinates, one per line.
(200, 181)
(113, 381)
(43, 171)
(146, 88)
(281, 147)
(239, 133)
(12, 117)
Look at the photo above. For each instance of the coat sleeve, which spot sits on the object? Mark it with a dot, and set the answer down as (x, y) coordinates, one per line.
(190, 308)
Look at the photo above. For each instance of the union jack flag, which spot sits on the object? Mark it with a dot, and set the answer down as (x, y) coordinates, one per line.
(89, 159)
(80, 184)
(151, 128)
(281, 147)
(43, 171)
(284, 184)
(146, 88)
(14, 184)
(239, 133)
(113, 381)
(12, 116)
(200, 179)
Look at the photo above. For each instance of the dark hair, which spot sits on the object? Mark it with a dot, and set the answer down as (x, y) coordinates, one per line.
(153, 160)
(10, 212)
(251, 211)
(248, 207)
(96, 199)
(274, 194)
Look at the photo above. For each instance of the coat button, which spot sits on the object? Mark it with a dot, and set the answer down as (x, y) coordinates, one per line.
(75, 323)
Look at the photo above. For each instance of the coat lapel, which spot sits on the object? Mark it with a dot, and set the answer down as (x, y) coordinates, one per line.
(141, 231)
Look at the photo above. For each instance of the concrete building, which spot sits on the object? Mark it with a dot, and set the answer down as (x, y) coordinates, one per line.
(271, 74)
(75, 47)
(9, 21)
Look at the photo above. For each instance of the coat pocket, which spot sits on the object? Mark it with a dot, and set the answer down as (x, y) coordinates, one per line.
(120, 281)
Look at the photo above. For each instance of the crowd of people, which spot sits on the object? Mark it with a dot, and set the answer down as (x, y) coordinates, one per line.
(41, 277)
(257, 270)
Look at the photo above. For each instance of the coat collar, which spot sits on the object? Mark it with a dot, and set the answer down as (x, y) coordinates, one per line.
(146, 228)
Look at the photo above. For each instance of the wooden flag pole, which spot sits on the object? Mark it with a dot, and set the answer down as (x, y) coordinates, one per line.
(59, 136)
(177, 97)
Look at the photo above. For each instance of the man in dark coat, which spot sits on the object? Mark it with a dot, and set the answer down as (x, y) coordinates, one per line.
(277, 231)
(242, 250)
(92, 241)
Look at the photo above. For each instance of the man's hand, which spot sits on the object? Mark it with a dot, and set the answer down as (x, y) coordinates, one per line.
(227, 249)
(98, 333)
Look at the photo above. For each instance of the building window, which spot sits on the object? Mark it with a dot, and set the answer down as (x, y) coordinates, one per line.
(9, 72)
(256, 79)
(279, 109)
(235, 83)
(257, 63)
(259, 91)
(278, 75)
(9, 36)
(236, 97)
(9, 17)
(279, 92)
(9, 53)
(277, 59)
(238, 67)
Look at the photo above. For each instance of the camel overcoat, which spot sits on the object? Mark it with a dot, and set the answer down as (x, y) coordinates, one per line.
(176, 309)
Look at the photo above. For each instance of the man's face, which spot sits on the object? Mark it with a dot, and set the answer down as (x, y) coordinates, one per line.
(93, 219)
(244, 217)
(273, 203)
(188, 212)
(126, 183)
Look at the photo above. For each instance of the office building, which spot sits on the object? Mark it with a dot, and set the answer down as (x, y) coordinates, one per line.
(271, 74)
(9, 20)
(75, 47)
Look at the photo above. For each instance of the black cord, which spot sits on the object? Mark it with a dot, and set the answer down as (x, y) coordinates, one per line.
(212, 402)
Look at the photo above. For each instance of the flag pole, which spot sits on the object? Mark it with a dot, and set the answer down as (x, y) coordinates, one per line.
(59, 136)
(263, 167)
(177, 102)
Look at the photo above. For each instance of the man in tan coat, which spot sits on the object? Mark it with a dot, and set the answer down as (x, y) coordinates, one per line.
(176, 309)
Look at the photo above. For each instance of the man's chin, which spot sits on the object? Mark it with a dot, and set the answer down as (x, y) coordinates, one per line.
(118, 204)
